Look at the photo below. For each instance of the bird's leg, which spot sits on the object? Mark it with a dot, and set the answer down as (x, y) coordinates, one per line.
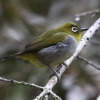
(54, 72)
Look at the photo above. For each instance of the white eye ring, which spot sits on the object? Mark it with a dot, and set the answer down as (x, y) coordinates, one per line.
(74, 29)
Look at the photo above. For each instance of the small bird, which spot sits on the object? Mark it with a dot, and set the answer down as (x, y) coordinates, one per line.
(52, 47)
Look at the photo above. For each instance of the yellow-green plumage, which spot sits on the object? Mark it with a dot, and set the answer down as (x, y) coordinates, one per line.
(52, 47)
(45, 39)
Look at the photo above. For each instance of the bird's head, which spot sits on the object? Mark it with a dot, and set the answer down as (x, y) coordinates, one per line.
(73, 30)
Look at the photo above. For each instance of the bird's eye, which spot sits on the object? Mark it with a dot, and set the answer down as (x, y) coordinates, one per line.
(74, 29)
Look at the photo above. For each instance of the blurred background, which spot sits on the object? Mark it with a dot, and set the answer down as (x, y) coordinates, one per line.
(23, 20)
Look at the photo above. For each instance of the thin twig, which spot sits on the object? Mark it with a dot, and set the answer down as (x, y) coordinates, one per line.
(88, 12)
(55, 96)
(92, 12)
(88, 62)
(20, 83)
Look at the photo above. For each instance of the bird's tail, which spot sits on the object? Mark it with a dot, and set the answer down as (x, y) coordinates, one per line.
(11, 56)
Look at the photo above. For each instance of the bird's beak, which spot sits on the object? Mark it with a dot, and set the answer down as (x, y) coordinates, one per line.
(83, 29)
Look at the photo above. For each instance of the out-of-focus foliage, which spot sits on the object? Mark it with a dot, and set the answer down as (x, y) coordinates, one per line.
(23, 20)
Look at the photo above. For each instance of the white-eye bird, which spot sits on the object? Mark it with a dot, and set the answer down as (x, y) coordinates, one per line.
(52, 47)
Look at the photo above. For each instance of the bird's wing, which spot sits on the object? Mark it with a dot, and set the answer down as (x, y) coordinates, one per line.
(46, 39)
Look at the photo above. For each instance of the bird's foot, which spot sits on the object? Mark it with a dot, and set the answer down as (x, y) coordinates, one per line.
(65, 65)
(56, 74)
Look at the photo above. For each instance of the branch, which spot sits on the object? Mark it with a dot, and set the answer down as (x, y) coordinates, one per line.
(46, 97)
(20, 83)
(88, 62)
(53, 80)
(92, 12)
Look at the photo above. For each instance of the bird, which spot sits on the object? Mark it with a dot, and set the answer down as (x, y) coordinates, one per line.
(51, 48)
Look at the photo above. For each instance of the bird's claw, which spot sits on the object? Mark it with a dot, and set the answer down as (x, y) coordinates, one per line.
(57, 75)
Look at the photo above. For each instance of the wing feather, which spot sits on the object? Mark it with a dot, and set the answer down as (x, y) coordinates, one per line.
(46, 39)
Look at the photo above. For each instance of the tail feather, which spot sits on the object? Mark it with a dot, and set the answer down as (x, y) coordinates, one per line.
(7, 57)
(11, 56)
